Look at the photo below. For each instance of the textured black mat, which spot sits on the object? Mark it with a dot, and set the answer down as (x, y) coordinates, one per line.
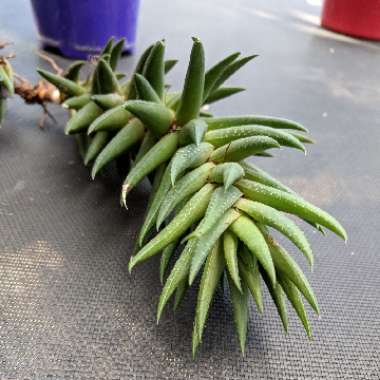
(69, 309)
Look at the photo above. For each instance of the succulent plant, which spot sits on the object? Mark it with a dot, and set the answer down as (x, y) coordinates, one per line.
(12, 83)
(210, 212)
(6, 83)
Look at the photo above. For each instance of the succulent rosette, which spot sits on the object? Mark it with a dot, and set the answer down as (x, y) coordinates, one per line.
(210, 212)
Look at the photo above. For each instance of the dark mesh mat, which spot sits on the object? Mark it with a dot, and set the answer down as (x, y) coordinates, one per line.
(69, 309)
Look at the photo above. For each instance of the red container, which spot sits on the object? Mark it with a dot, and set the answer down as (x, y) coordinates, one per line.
(358, 18)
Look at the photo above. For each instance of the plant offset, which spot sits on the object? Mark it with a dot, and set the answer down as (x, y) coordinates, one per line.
(210, 212)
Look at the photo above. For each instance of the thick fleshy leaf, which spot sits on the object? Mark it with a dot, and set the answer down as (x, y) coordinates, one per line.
(290, 203)
(73, 71)
(188, 157)
(157, 155)
(114, 118)
(187, 185)
(169, 64)
(116, 52)
(119, 144)
(222, 93)
(210, 278)
(157, 117)
(131, 91)
(239, 299)
(76, 102)
(155, 200)
(108, 101)
(190, 213)
(193, 132)
(177, 275)
(108, 46)
(96, 145)
(208, 240)
(278, 297)
(256, 174)
(303, 138)
(165, 258)
(221, 201)
(107, 81)
(192, 94)
(67, 86)
(294, 296)
(271, 217)
(284, 263)
(83, 118)
(233, 121)
(144, 89)
(242, 148)
(247, 231)
(147, 143)
(223, 136)
(250, 275)
(232, 68)
(179, 294)
(154, 68)
(214, 73)
(230, 249)
(227, 173)
(6, 81)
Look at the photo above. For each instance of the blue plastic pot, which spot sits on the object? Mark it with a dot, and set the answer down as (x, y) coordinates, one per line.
(80, 28)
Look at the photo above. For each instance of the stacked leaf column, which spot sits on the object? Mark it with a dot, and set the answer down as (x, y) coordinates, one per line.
(210, 212)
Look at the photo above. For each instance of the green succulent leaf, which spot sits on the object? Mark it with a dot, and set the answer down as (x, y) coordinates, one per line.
(96, 145)
(154, 68)
(230, 249)
(192, 94)
(222, 93)
(145, 91)
(212, 272)
(206, 242)
(76, 102)
(193, 132)
(116, 52)
(157, 117)
(114, 118)
(166, 255)
(190, 213)
(169, 64)
(227, 173)
(223, 136)
(188, 157)
(239, 299)
(118, 145)
(67, 86)
(83, 118)
(231, 69)
(73, 71)
(176, 277)
(250, 275)
(271, 217)
(215, 72)
(269, 121)
(295, 299)
(290, 203)
(108, 101)
(242, 148)
(187, 185)
(157, 155)
(247, 231)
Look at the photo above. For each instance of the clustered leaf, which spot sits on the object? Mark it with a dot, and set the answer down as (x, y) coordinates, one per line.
(6, 84)
(210, 212)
